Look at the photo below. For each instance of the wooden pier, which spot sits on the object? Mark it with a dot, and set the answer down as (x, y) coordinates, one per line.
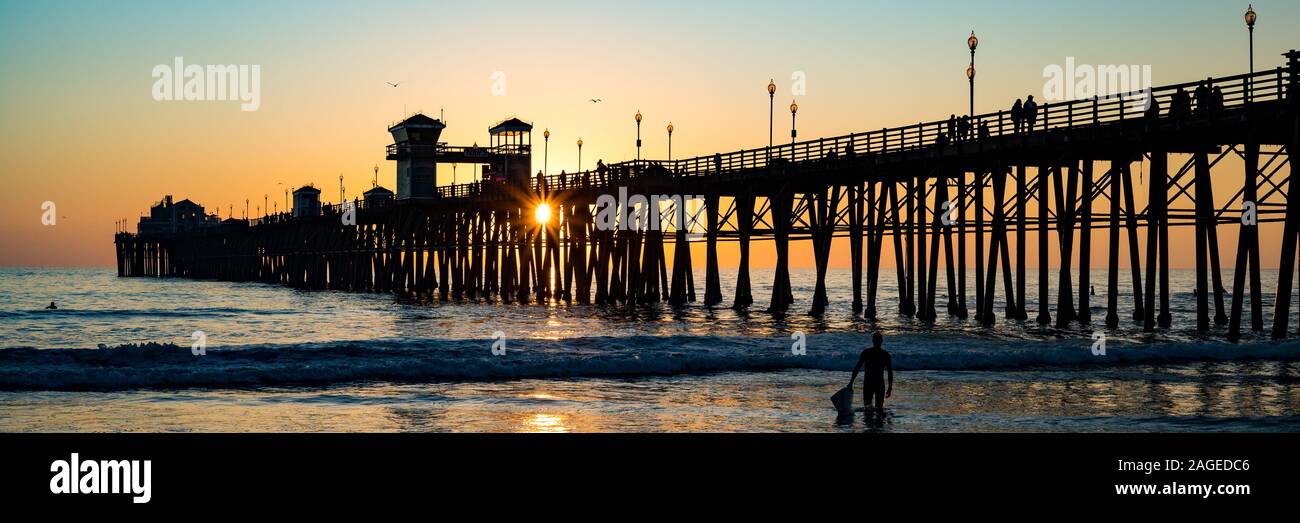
(481, 241)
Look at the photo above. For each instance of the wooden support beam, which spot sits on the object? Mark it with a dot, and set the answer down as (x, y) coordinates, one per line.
(1065, 210)
(1247, 251)
(1135, 256)
(924, 306)
(744, 228)
(1044, 314)
(905, 306)
(1022, 228)
(1290, 230)
(1084, 313)
(978, 187)
(876, 232)
(1203, 216)
(781, 203)
(712, 282)
(1112, 251)
(857, 211)
(962, 219)
(909, 190)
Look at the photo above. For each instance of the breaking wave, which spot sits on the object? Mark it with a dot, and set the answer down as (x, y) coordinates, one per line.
(165, 366)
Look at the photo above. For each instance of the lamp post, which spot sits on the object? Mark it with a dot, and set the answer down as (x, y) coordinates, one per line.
(638, 135)
(580, 154)
(670, 141)
(546, 150)
(1250, 27)
(771, 109)
(794, 109)
(972, 43)
(265, 198)
(341, 193)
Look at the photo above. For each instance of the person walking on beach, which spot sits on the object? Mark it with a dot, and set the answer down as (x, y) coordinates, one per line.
(875, 362)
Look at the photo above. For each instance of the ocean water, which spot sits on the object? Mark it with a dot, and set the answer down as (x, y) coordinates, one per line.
(117, 356)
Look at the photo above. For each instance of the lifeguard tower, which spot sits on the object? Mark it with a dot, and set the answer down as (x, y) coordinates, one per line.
(512, 146)
(416, 149)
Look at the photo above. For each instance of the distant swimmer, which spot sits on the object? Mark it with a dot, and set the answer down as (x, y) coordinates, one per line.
(874, 362)
(51, 306)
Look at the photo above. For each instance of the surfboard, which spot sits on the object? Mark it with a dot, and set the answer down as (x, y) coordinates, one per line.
(843, 401)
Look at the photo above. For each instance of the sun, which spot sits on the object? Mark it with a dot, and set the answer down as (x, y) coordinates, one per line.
(543, 213)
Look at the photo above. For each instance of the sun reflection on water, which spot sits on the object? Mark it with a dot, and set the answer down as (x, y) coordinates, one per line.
(542, 422)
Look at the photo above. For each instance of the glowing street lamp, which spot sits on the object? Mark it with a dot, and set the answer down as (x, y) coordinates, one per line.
(546, 155)
(972, 43)
(579, 154)
(1250, 25)
(794, 109)
(771, 109)
(670, 141)
(638, 135)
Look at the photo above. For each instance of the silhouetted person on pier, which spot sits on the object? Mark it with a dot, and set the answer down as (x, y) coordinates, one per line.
(1217, 98)
(1031, 113)
(51, 306)
(984, 130)
(1180, 106)
(874, 363)
(602, 173)
(952, 126)
(1203, 102)
(1017, 116)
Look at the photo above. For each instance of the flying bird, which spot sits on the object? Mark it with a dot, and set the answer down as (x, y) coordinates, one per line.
(595, 100)
(393, 84)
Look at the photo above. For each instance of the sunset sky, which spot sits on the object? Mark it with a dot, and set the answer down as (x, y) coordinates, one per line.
(81, 129)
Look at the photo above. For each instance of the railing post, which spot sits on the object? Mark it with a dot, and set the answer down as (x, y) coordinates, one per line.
(1279, 83)
(1293, 63)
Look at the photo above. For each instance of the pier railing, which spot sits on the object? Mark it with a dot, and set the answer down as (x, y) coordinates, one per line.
(1237, 91)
